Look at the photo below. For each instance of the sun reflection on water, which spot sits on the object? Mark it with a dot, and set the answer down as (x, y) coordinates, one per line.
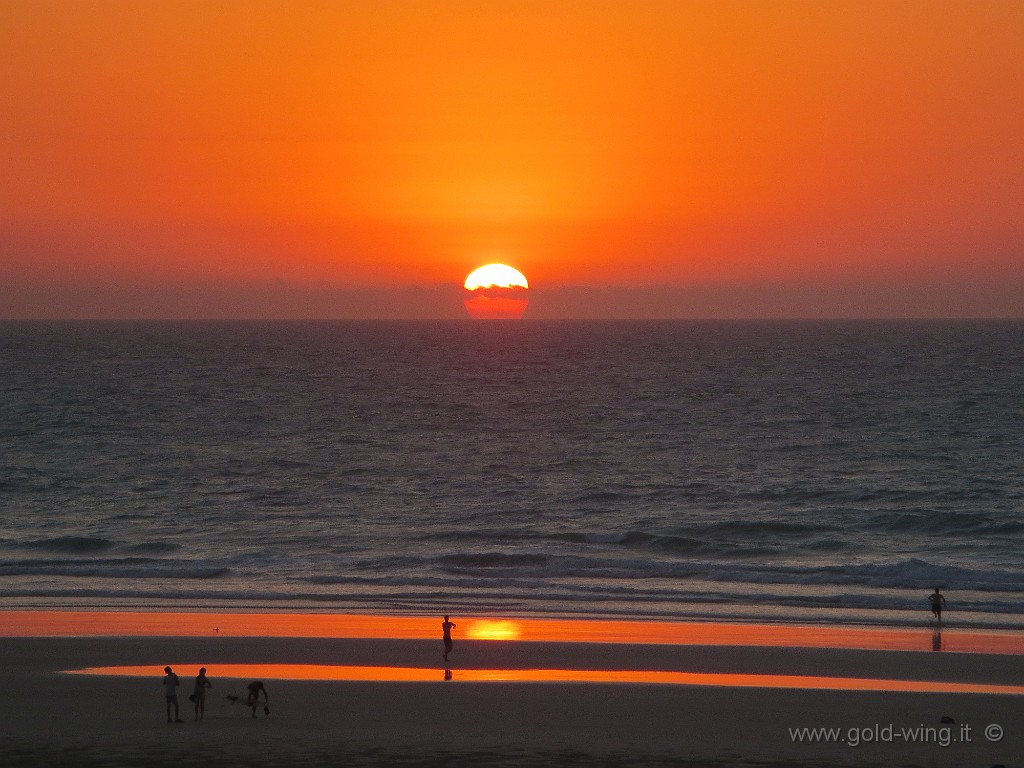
(426, 674)
(490, 629)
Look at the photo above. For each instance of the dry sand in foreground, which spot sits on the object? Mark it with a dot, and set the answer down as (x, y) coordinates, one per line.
(51, 718)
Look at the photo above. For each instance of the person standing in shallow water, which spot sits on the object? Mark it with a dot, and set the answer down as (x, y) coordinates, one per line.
(199, 694)
(938, 603)
(171, 694)
(446, 631)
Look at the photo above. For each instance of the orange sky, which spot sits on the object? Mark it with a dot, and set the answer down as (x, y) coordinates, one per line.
(342, 159)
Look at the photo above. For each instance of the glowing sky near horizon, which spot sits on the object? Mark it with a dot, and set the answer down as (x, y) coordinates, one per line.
(658, 158)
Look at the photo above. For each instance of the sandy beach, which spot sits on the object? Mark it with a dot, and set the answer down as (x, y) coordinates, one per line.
(53, 718)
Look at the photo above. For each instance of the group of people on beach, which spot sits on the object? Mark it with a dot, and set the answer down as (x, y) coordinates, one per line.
(256, 688)
(198, 697)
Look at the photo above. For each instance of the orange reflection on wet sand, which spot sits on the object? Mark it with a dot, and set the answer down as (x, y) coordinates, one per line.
(195, 624)
(421, 674)
(490, 629)
(139, 624)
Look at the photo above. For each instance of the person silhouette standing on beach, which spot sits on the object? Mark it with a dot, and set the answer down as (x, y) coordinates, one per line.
(446, 631)
(171, 694)
(199, 693)
(938, 603)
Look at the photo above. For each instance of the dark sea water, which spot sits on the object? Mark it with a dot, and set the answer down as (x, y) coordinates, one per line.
(790, 471)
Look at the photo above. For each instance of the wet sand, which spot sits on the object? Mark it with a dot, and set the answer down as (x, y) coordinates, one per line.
(48, 717)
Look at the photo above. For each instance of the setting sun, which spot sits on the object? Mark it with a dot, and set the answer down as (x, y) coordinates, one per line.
(495, 276)
(496, 292)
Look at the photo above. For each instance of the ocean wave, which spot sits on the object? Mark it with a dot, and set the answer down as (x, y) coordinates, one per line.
(153, 547)
(16, 479)
(475, 599)
(493, 560)
(70, 545)
(444, 582)
(673, 544)
(488, 535)
(767, 527)
(729, 537)
(600, 538)
(148, 486)
(114, 568)
(84, 546)
(949, 523)
(904, 574)
(643, 558)
(638, 577)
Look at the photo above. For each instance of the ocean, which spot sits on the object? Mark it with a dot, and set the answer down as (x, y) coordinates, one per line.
(772, 471)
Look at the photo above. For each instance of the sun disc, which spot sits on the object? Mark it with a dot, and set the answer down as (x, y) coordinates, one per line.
(495, 276)
(496, 292)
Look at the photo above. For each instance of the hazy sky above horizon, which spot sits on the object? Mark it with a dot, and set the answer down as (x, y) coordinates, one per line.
(632, 158)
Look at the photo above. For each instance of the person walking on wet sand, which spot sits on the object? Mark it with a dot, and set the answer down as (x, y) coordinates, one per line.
(199, 694)
(938, 603)
(446, 631)
(171, 694)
